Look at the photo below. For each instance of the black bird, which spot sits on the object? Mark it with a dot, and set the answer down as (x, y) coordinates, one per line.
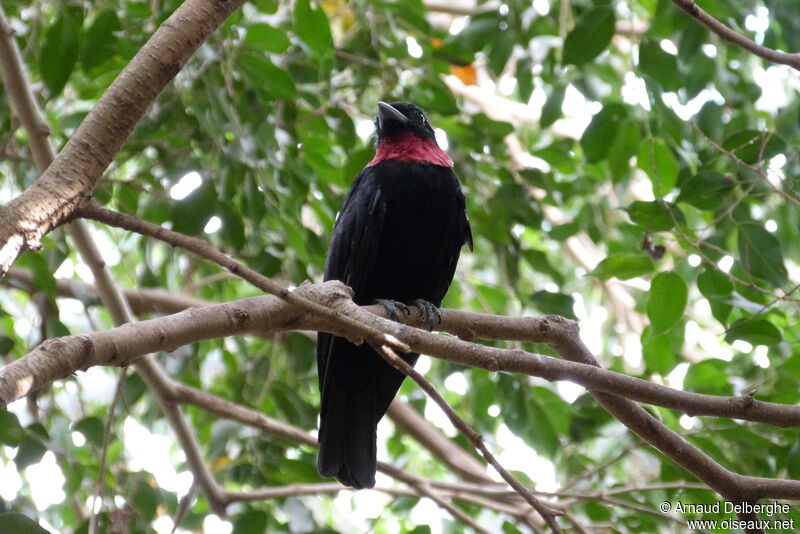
(397, 238)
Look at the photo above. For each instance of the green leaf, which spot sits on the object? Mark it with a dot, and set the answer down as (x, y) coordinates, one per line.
(100, 41)
(60, 49)
(539, 431)
(461, 48)
(706, 190)
(254, 522)
(275, 81)
(312, 27)
(554, 303)
(232, 226)
(132, 389)
(713, 283)
(29, 452)
(6, 345)
(708, 376)
(692, 38)
(539, 261)
(557, 410)
(657, 215)
(793, 460)
(561, 232)
(11, 432)
(43, 278)
(190, 215)
(595, 140)
(432, 95)
(510, 528)
(666, 301)
(500, 49)
(489, 127)
(659, 65)
(656, 159)
(754, 331)
(16, 523)
(658, 354)
(551, 111)
(623, 267)
(702, 70)
(92, 428)
(624, 147)
(590, 36)
(267, 6)
(266, 38)
(761, 254)
(495, 297)
(144, 498)
(525, 78)
(716, 287)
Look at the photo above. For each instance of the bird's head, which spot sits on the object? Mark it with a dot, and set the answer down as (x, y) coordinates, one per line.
(404, 134)
(399, 118)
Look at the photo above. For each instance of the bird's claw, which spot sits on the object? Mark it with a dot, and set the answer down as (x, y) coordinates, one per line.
(430, 313)
(393, 308)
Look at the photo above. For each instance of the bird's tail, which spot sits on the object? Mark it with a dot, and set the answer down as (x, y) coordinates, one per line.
(348, 418)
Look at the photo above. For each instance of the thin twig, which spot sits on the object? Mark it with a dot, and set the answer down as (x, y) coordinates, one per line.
(98, 495)
(740, 162)
(601, 466)
(726, 33)
(401, 365)
(426, 490)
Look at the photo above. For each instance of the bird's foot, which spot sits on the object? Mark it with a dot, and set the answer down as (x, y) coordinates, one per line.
(430, 313)
(393, 308)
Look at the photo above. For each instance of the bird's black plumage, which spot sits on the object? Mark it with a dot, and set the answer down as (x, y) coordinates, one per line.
(398, 236)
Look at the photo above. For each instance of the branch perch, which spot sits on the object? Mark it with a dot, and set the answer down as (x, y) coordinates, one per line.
(259, 314)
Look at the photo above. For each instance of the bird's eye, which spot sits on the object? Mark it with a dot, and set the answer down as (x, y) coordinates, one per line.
(421, 117)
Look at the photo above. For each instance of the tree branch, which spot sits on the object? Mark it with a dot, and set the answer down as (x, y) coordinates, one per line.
(61, 356)
(409, 421)
(264, 315)
(727, 34)
(401, 365)
(70, 179)
(141, 300)
(356, 331)
(57, 186)
(183, 394)
(158, 300)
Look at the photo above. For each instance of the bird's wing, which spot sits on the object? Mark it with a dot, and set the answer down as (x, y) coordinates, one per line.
(354, 246)
(452, 243)
(347, 373)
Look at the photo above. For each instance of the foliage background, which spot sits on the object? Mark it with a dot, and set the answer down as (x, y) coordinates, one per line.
(642, 148)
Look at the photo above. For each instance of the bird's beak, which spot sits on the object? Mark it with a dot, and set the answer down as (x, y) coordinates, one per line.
(387, 114)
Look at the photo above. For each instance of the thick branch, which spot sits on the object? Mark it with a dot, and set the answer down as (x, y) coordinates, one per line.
(161, 301)
(70, 179)
(61, 356)
(327, 317)
(354, 330)
(138, 100)
(20, 96)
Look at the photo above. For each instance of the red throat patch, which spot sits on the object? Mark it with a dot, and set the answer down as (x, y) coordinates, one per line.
(409, 147)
